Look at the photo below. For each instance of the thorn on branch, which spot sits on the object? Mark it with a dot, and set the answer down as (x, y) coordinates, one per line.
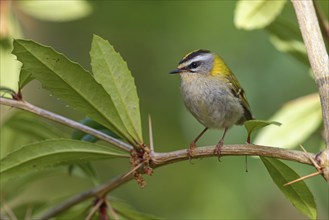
(321, 163)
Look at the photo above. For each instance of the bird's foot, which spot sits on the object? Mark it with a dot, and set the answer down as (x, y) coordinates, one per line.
(190, 151)
(218, 149)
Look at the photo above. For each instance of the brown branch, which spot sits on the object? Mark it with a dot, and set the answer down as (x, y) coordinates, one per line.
(317, 55)
(65, 121)
(161, 159)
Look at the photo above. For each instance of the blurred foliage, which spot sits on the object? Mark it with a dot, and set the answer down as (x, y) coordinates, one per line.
(293, 115)
(56, 10)
(298, 193)
(251, 15)
(152, 36)
(285, 36)
(12, 14)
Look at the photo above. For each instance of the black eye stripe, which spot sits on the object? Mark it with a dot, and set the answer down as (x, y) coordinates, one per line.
(194, 65)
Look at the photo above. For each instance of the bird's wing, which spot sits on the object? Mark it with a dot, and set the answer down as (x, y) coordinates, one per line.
(238, 91)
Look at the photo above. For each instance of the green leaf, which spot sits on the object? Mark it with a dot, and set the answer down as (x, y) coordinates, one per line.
(56, 10)
(299, 118)
(112, 72)
(30, 129)
(256, 14)
(298, 193)
(84, 170)
(127, 212)
(51, 153)
(69, 81)
(24, 78)
(80, 135)
(87, 168)
(253, 125)
(93, 139)
(286, 37)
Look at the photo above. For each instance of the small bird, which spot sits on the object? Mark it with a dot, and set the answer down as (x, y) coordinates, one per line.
(212, 93)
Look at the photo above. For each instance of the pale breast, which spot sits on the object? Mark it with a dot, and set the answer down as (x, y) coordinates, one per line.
(210, 102)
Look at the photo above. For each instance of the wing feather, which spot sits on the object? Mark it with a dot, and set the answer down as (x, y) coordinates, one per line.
(238, 91)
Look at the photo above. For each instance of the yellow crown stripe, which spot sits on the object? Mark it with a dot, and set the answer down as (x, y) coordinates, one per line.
(193, 54)
(189, 54)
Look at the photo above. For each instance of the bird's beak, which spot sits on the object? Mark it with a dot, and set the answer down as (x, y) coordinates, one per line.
(175, 71)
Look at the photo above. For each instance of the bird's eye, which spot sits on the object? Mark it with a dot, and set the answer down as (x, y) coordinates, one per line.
(194, 65)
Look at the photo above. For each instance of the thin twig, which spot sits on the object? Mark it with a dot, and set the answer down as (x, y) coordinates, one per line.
(94, 209)
(317, 55)
(303, 178)
(151, 134)
(65, 121)
(28, 213)
(98, 192)
(9, 211)
(3, 216)
(315, 164)
(111, 210)
(133, 170)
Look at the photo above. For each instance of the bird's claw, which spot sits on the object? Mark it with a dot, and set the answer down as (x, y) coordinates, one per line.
(218, 149)
(190, 151)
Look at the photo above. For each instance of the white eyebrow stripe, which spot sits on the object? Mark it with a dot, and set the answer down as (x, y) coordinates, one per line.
(201, 57)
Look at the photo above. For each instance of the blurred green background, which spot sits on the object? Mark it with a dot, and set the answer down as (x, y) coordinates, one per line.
(152, 36)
